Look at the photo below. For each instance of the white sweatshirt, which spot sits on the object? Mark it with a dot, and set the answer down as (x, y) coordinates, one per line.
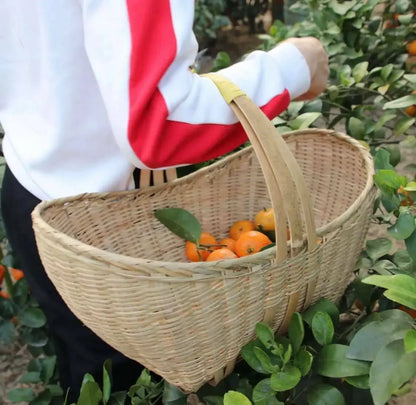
(90, 89)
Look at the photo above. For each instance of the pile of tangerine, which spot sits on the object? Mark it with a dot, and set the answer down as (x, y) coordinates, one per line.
(246, 237)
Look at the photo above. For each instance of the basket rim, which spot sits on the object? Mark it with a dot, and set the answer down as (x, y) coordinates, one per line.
(208, 268)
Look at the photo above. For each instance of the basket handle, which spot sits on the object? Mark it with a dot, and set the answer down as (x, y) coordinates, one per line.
(281, 171)
(282, 176)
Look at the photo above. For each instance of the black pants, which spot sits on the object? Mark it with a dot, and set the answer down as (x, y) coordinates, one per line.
(78, 349)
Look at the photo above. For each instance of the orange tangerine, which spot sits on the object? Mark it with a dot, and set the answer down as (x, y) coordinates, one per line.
(251, 242)
(228, 243)
(221, 254)
(205, 241)
(264, 219)
(240, 227)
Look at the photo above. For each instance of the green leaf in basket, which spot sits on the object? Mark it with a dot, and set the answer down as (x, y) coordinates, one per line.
(181, 222)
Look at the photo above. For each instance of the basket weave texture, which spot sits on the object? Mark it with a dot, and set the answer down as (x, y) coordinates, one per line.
(126, 277)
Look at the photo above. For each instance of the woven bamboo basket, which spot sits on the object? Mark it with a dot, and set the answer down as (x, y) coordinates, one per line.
(125, 275)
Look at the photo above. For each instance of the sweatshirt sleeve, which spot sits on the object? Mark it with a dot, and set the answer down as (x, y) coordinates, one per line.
(161, 113)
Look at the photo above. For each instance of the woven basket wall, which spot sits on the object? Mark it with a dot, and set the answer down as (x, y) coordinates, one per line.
(126, 276)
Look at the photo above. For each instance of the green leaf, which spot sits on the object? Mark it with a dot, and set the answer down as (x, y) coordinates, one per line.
(181, 222)
(265, 334)
(296, 331)
(249, 356)
(392, 314)
(359, 71)
(372, 337)
(394, 154)
(47, 368)
(403, 124)
(333, 362)
(410, 78)
(379, 247)
(359, 381)
(263, 394)
(304, 120)
(385, 267)
(411, 186)
(396, 75)
(323, 305)
(322, 328)
(386, 71)
(236, 398)
(43, 398)
(21, 395)
(356, 128)
(31, 377)
(90, 394)
(55, 390)
(285, 379)
(410, 341)
(213, 400)
(409, 142)
(411, 246)
(222, 60)
(145, 379)
(390, 370)
(389, 178)
(341, 8)
(265, 360)
(32, 317)
(382, 160)
(404, 226)
(303, 361)
(401, 288)
(173, 395)
(107, 373)
(401, 102)
(118, 398)
(7, 332)
(287, 355)
(34, 337)
(325, 394)
(403, 261)
(384, 119)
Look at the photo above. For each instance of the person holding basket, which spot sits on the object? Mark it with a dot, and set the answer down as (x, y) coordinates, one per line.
(91, 90)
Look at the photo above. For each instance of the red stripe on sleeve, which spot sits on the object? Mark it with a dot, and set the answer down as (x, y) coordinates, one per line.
(171, 143)
(156, 141)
